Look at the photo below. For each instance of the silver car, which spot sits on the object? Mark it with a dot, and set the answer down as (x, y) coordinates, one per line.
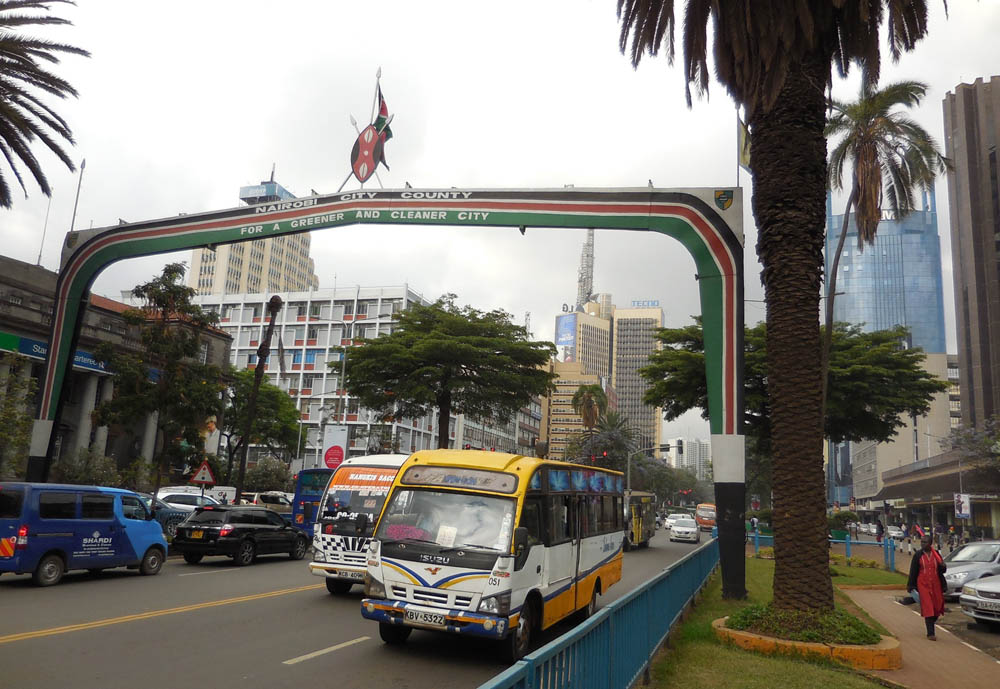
(970, 562)
(980, 600)
(685, 529)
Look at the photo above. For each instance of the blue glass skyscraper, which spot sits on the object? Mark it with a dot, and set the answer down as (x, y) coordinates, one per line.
(896, 281)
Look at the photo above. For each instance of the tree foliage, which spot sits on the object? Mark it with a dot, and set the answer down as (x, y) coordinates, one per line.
(87, 468)
(16, 406)
(610, 442)
(454, 359)
(24, 115)
(980, 451)
(165, 374)
(275, 425)
(270, 473)
(874, 380)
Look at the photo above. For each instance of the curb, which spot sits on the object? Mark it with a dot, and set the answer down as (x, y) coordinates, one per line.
(885, 655)
(871, 587)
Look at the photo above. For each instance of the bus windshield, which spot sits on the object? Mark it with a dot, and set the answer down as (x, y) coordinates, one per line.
(449, 520)
(354, 499)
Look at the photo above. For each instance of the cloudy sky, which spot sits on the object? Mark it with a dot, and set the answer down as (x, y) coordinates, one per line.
(182, 103)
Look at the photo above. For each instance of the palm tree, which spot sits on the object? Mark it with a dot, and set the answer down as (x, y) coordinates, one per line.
(590, 402)
(614, 434)
(890, 157)
(776, 59)
(24, 117)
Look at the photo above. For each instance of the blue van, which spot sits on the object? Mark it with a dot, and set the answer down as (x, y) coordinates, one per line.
(47, 529)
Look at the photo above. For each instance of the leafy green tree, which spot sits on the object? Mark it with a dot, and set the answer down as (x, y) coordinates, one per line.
(454, 359)
(270, 473)
(979, 449)
(890, 157)
(874, 380)
(164, 375)
(776, 60)
(610, 442)
(87, 468)
(16, 395)
(24, 116)
(275, 426)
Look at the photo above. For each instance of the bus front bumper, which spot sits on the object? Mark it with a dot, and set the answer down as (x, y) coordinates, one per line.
(436, 619)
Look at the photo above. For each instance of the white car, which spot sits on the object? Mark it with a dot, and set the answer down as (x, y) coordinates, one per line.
(685, 529)
(671, 518)
(980, 600)
(894, 532)
(186, 501)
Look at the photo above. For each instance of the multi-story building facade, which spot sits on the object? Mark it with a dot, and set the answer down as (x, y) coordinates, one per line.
(276, 264)
(559, 421)
(27, 301)
(633, 344)
(972, 137)
(308, 330)
(699, 453)
(896, 281)
(585, 337)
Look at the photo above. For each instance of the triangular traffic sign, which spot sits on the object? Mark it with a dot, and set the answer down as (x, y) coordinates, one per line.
(203, 475)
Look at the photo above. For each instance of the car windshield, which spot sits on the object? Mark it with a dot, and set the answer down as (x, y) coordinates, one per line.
(207, 517)
(678, 516)
(975, 552)
(448, 519)
(684, 522)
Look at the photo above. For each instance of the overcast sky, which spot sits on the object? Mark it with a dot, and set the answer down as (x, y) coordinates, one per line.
(184, 102)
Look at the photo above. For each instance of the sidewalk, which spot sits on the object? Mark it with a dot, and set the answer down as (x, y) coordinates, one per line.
(947, 662)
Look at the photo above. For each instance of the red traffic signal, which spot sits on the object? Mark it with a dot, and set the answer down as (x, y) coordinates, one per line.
(605, 453)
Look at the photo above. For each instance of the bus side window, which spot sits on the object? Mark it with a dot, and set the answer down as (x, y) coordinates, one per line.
(619, 514)
(561, 519)
(607, 513)
(531, 519)
(588, 515)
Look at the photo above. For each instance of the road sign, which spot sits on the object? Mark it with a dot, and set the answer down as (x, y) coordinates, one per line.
(203, 475)
(963, 506)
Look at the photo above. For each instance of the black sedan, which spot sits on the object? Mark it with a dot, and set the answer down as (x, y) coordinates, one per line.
(239, 531)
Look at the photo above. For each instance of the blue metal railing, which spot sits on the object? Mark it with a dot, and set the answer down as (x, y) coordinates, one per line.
(613, 648)
(888, 546)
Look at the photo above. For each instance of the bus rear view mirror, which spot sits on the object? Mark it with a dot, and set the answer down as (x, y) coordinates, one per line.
(520, 547)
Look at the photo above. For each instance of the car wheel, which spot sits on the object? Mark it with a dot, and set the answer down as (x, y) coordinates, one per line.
(193, 558)
(245, 555)
(170, 528)
(152, 562)
(394, 634)
(299, 551)
(519, 640)
(49, 571)
(339, 587)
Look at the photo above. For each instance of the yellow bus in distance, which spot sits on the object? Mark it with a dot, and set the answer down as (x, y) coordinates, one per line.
(492, 544)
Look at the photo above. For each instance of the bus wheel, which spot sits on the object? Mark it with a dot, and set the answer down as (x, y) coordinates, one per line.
(340, 587)
(591, 607)
(519, 640)
(393, 634)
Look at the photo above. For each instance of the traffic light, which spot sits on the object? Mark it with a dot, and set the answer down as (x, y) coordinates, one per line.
(593, 459)
(605, 454)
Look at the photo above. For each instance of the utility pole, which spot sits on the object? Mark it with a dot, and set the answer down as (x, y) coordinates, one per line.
(263, 351)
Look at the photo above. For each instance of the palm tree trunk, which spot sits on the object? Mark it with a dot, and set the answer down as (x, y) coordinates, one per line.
(789, 165)
(831, 293)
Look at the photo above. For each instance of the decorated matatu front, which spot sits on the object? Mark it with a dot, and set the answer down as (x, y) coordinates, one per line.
(346, 520)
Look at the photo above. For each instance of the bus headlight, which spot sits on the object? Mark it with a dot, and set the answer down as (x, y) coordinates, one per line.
(496, 605)
(373, 587)
(318, 555)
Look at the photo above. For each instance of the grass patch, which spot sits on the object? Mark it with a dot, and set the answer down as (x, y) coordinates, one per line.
(866, 576)
(835, 627)
(698, 660)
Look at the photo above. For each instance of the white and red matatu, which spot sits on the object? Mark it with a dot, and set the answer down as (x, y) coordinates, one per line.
(707, 221)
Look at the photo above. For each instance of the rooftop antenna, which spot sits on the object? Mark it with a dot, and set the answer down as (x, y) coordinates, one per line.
(83, 166)
(272, 171)
(585, 276)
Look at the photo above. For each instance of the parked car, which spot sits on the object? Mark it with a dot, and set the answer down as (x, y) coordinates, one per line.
(980, 600)
(671, 518)
(894, 532)
(241, 532)
(186, 501)
(47, 529)
(272, 499)
(969, 562)
(169, 517)
(685, 529)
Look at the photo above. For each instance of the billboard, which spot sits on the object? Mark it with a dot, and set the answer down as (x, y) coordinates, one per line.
(334, 446)
(566, 336)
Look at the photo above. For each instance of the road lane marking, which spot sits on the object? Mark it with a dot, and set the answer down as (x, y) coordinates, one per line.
(212, 571)
(23, 636)
(310, 656)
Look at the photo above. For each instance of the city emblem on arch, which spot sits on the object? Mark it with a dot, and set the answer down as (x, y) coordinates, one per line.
(369, 148)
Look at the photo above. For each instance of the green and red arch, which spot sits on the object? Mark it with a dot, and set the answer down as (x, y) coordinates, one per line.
(701, 219)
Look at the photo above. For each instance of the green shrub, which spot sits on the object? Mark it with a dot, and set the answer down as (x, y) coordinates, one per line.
(837, 558)
(766, 553)
(839, 520)
(835, 627)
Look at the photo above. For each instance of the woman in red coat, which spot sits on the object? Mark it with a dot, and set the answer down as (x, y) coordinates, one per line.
(927, 582)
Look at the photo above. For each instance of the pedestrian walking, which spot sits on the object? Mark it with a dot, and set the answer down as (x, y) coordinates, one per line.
(926, 583)
(879, 530)
(753, 524)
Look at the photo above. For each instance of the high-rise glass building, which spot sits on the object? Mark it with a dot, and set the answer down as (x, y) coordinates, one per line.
(634, 341)
(897, 281)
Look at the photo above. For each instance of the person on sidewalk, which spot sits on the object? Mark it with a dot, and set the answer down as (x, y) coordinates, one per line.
(926, 583)
(879, 530)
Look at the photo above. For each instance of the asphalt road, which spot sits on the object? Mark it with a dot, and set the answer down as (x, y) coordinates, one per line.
(269, 625)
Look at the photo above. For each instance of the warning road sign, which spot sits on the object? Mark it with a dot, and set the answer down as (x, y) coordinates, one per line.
(203, 475)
